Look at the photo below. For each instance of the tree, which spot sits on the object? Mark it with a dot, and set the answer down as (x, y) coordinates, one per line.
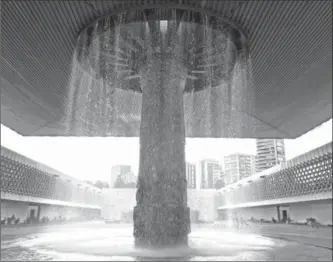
(119, 183)
(101, 184)
(219, 184)
(106, 185)
(89, 182)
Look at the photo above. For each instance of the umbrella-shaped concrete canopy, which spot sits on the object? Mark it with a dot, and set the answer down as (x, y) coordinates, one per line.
(117, 56)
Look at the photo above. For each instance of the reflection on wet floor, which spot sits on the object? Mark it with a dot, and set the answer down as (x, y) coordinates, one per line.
(98, 241)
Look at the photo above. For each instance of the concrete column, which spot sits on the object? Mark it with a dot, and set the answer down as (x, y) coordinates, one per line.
(278, 213)
(161, 216)
(39, 209)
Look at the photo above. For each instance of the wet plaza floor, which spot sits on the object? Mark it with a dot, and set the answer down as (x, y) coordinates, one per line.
(114, 242)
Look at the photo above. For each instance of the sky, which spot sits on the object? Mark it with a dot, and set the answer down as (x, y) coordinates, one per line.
(92, 158)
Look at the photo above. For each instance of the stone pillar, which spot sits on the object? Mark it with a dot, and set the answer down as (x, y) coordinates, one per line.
(161, 216)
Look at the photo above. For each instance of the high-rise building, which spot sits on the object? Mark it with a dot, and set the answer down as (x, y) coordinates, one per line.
(191, 175)
(270, 152)
(238, 166)
(118, 170)
(210, 172)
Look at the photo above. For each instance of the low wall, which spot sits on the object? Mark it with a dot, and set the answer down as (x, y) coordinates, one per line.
(120, 201)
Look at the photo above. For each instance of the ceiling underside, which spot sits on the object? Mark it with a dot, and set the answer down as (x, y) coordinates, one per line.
(291, 55)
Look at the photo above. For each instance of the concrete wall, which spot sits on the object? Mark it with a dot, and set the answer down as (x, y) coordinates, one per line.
(18, 209)
(117, 201)
(203, 200)
(122, 200)
(56, 211)
(321, 210)
(21, 210)
(267, 212)
(47, 201)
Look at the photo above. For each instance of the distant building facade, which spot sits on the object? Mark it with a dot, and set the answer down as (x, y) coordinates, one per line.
(211, 171)
(270, 152)
(191, 175)
(117, 171)
(238, 166)
(128, 178)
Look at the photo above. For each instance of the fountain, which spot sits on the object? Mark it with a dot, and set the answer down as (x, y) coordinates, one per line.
(161, 74)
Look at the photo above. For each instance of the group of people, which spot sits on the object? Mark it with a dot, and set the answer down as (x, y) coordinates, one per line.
(238, 222)
(10, 220)
(29, 220)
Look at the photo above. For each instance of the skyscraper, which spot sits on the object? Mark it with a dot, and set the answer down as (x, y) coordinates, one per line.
(118, 170)
(210, 171)
(191, 175)
(238, 166)
(270, 152)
